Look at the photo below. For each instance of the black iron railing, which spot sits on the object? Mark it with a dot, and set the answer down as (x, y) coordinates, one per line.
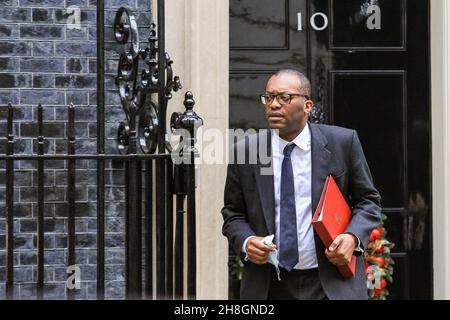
(144, 128)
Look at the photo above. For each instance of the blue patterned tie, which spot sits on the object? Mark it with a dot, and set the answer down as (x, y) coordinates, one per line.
(288, 220)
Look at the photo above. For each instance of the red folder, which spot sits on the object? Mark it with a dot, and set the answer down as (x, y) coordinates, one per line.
(331, 219)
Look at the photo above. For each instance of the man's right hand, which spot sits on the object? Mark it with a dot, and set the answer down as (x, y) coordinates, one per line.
(257, 252)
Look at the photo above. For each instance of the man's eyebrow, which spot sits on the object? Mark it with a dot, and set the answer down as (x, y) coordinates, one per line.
(280, 92)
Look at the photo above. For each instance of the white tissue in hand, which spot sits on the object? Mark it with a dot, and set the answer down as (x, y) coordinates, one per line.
(272, 255)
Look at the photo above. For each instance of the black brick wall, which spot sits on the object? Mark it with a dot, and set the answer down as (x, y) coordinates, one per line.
(44, 61)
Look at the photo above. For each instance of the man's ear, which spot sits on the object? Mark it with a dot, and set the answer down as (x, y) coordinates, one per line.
(309, 104)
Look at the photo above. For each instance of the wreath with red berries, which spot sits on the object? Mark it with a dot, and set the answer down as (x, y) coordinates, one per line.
(379, 263)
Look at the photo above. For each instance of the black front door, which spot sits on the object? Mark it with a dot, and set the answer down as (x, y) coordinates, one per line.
(368, 63)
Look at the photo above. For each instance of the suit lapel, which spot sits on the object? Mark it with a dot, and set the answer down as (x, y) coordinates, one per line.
(320, 162)
(264, 180)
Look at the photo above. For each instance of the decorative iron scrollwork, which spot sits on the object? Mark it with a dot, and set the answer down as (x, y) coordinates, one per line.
(173, 83)
(148, 128)
(136, 89)
(124, 26)
(123, 137)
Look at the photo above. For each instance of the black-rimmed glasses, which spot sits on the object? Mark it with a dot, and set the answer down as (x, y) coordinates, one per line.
(284, 98)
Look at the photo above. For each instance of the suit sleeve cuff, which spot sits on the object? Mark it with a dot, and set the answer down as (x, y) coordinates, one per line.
(244, 246)
(359, 250)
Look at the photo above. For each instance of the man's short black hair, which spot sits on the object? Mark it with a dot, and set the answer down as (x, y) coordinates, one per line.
(305, 84)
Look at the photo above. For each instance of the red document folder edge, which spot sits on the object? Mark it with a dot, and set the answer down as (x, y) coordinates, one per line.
(331, 218)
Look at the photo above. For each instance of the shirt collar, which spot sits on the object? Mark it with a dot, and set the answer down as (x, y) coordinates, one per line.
(303, 140)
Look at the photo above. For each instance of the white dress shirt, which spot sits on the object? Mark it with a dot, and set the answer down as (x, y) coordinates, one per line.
(301, 167)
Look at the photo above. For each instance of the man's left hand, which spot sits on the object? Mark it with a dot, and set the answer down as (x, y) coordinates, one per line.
(341, 250)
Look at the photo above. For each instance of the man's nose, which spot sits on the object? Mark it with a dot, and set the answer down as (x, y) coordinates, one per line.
(275, 104)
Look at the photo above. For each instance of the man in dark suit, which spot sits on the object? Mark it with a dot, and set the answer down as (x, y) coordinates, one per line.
(279, 197)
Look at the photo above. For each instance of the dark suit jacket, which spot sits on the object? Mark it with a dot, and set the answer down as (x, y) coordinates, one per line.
(249, 206)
